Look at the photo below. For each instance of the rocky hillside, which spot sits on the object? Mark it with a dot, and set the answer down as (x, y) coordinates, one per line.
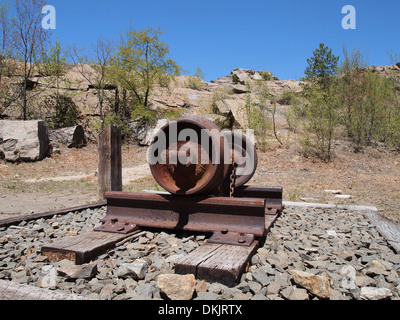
(221, 100)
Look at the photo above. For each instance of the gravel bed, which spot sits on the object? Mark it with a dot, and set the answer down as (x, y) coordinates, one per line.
(309, 253)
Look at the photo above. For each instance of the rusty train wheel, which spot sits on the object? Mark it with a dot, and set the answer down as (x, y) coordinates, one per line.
(203, 169)
(244, 152)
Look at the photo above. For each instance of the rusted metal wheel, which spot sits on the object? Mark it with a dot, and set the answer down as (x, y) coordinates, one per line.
(245, 157)
(190, 156)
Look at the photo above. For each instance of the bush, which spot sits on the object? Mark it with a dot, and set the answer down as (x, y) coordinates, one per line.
(255, 115)
(66, 113)
(369, 105)
(288, 97)
(321, 110)
(235, 78)
(267, 75)
(196, 82)
(357, 99)
(321, 119)
(143, 114)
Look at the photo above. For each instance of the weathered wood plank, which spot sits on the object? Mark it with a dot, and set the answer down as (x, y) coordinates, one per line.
(14, 291)
(387, 228)
(220, 262)
(110, 160)
(226, 264)
(83, 248)
(189, 263)
(217, 262)
(48, 214)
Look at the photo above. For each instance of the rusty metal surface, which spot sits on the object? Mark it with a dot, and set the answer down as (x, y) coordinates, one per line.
(272, 196)
(194, 213)
(117, 225)
(245, 149)
(260, 192)
(205, 171)
(208, 166)
(202, 177)
(232, 238)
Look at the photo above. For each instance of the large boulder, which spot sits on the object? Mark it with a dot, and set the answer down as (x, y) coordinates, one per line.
(72, 137)
(145, 133)
(23, 140)
(235, 109)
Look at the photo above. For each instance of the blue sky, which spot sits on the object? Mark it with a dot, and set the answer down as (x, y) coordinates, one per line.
(218, 36)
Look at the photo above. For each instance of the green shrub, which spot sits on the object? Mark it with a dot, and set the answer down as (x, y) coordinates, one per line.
(288, 97)
(66, 113)
(321, 110)
(143, 114)
(235, 78)
(196, 81)
(369, 105)
(112, 119)
(172, 114)
(267, 75)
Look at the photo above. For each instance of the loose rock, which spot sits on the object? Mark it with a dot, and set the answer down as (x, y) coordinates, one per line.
(84, 271)
(372, 293)
(177, 287)
(351, 259)
(49, 277)
(317, 285)
(137, 270)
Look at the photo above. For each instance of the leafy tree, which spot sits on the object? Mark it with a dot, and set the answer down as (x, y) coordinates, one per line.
(368, 101)
(322, 66)
(254, 113)
(6, 26)
(7, 65)
(53, 67)
(64, 112)
(321, 110)
(264, 97)
(140, 62)
(53, 62)
(29, 39)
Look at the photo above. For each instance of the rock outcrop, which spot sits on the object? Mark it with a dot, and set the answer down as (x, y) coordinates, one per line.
(221, 100)
(23, 140)
(72, 137)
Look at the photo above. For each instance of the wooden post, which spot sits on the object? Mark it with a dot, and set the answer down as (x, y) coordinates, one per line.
(110, 160)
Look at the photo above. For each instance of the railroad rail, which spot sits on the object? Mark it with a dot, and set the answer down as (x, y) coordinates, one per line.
(204, 171)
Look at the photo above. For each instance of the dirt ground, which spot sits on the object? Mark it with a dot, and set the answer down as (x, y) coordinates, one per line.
(70, 178)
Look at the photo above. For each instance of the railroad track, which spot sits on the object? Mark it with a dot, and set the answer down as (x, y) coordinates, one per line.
(204, 172)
